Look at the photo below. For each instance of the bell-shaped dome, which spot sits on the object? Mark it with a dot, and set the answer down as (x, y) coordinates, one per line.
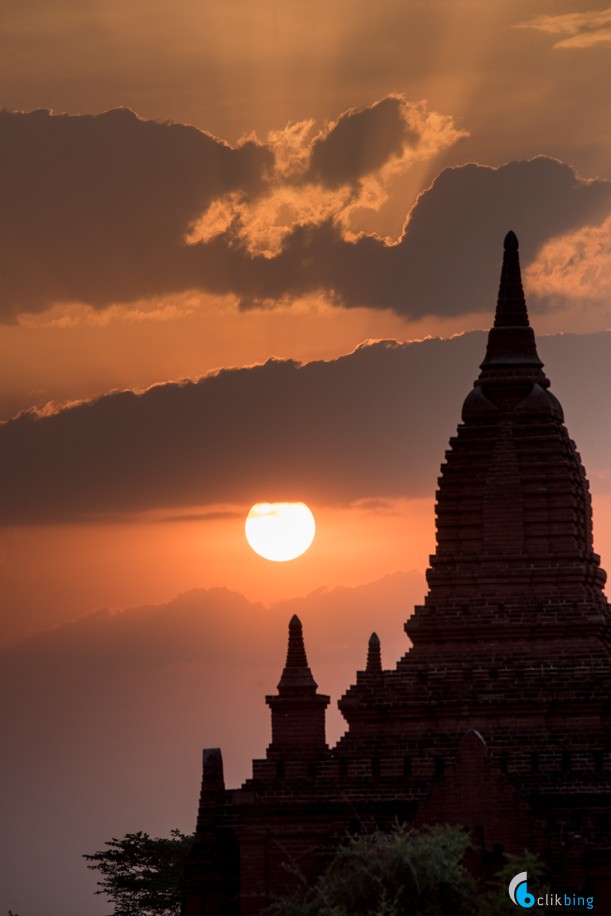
(514, 515)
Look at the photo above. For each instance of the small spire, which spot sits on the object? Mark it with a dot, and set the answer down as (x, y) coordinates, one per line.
(296, 654)
(296, 672)
(213, 769)
(213, 781)
(511, 305)
(374, 655)
(298, 711)
(212, 795)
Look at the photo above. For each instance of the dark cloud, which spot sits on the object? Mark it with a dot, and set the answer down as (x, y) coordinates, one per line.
(326, 431)
(361, 141)
(447, 261)
(94, 209)
(454, 231)
(104, 719)
(371, 425)
(97, 209)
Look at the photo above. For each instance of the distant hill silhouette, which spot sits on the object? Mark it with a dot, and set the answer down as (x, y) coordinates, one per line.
(103, 718)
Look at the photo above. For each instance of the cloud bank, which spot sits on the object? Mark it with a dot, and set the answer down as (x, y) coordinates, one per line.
(370, 425)
(113, 209)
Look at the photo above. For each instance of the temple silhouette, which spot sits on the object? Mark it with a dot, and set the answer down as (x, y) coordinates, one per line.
(498, 718)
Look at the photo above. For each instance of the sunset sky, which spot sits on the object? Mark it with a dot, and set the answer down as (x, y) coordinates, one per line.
(231, 235)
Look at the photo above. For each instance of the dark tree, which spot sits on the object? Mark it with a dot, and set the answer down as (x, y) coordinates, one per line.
(142, 875)
(408, 871)
(390, 874)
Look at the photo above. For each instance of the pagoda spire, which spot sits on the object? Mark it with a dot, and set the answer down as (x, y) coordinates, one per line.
(514, 516)
(296, 677)
(374, 655)
(298, 711)
(511, 354)
(511, 304)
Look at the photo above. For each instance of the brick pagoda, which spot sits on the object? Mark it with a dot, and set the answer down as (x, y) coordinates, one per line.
(499, 716)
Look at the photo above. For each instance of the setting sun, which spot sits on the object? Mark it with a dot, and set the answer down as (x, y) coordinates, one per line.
(280, 531)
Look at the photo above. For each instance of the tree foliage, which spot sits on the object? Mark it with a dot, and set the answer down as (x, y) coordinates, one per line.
(403, 871)
(142, 875)
(406, 871)
(391, 874)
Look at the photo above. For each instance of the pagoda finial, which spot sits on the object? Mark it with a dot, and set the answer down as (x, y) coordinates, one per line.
(374, 655)
(511, 305)
(296, 672)
(510, 242)
(296, 655)
(511, 354)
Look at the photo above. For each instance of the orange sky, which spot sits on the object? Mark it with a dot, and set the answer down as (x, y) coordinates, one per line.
(217, 186)
(86, 567)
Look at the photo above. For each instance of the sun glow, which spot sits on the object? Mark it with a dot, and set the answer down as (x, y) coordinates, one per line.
(280, 531)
